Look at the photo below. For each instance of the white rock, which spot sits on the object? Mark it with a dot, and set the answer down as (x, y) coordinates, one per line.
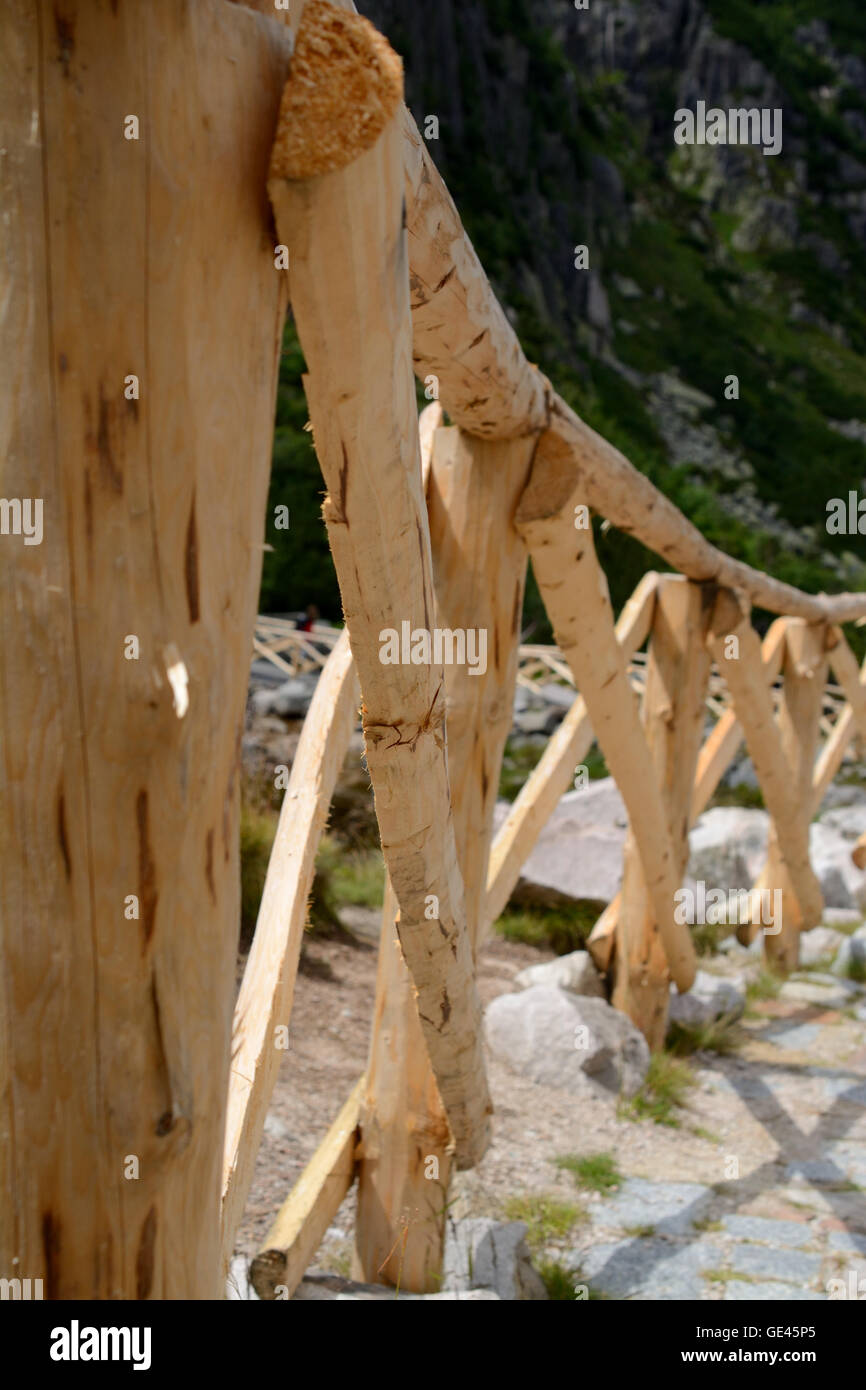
(576, 972)
(578, 856)
(710, 997)
(566, 1040)
(851, 955)
(485, 1254)
(841, 916)
(727, 847)
(818, 944)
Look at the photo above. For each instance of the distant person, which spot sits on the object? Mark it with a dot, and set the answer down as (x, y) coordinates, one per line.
(311, 617)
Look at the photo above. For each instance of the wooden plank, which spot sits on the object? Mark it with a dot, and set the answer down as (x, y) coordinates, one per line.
(805, 671)
(552, 776)
(406, 1151)
(297, 1232)
(850, 719)
(831, 757)
(576, 596)
(479, 564)
(754, 707)
(601, 942)
(119, 800)
(352, 313)
(678, 670)
(850, 677)
(264, 1003)
(722, 744)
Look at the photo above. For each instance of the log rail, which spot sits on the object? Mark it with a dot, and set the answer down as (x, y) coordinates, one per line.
(432, 527)
(702, 647)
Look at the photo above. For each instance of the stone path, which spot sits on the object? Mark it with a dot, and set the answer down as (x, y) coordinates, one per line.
(782, 1228)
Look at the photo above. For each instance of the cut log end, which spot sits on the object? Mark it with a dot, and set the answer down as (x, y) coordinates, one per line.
(268, 1272)
(345, 84)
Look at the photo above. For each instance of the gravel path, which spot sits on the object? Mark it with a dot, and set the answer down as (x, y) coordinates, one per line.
(759, 1193)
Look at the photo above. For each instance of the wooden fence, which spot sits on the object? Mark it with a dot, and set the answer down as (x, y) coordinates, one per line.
(439, 533)
(430, 524)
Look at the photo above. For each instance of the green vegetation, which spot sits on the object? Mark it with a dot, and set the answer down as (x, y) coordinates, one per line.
(856, 970)
(558, 1281)
(547, 1218)
(553, 929)
(596, 1172)
(708, 293)
(663, 1093)
(258, 828)
(720, 1035)
(765, 985)
(355, 877)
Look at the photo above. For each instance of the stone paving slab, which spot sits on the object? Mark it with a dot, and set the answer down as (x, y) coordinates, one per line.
(798, 1037)
(739, 1291)
(757, 1228)
(648, 1268)
(766, 1262)
(671, 1208)
(847, 1241)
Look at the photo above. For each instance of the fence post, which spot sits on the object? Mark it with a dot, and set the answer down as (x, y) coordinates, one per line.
(479, 564)
(137, 405)
(678, 669)
(804, 673)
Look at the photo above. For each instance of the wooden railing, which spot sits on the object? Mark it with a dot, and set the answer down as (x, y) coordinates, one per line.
(433, 524)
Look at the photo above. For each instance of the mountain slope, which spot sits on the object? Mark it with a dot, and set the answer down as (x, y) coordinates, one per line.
(704, 262)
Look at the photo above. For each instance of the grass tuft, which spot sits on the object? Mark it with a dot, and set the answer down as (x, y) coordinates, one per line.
(596, 1172)
(720, 1035)
(547, 1218)
(664, 1091)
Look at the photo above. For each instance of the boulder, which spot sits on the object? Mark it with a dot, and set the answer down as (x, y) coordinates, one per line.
(728, 849)
(576, 972)
(291, 700)
(851, 956)
(711, 997)
(728, 846)
(842, 883)
(485, 1254)
(562, 1039)
(578, 856)
(819, 944)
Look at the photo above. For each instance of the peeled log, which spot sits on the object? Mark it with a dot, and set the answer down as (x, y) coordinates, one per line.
(350, 295)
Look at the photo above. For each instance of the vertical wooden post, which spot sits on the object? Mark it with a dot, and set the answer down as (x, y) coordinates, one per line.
(678, 669)
(140, 322)
(799, 715)
(738, 654)
(338, 193)
(479, 564)
(576, 596)
(406, 1152)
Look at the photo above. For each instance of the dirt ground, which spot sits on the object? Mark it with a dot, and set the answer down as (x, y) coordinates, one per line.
(788, 1105)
